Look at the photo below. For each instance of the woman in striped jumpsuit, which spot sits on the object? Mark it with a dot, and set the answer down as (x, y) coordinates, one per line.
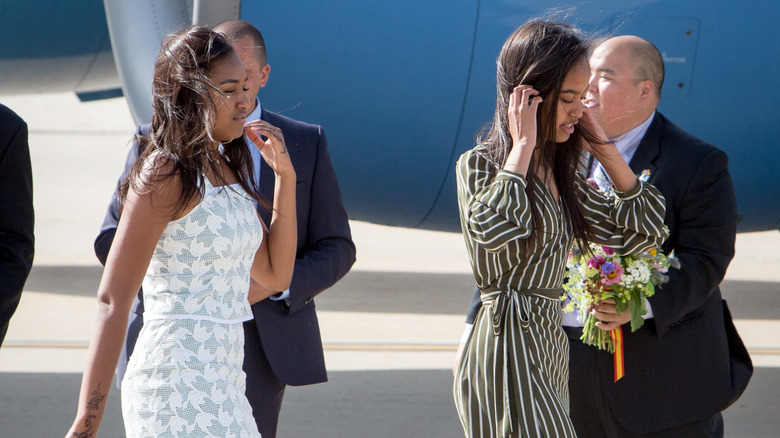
(522, 205)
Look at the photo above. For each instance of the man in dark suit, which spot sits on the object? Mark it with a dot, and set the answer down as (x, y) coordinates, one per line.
(16, 214)
(282, 344)
(687, 363)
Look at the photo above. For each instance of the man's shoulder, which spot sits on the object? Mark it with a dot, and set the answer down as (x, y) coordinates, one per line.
(10, 120)
(673, 137)
(282, 121)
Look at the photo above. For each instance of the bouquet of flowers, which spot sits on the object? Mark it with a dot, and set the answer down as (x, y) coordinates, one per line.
(603, 274)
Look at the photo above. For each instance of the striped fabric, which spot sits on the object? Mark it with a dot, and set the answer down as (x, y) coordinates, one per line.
(511, 379)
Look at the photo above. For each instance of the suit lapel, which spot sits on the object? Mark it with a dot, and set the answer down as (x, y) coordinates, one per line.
(649, 149)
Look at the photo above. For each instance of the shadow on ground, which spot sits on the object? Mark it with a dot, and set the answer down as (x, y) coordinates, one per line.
(377, 404)
(402, 292)
(66, 280)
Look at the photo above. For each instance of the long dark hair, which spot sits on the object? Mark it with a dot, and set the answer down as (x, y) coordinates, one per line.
(541, 53)
(181, 131)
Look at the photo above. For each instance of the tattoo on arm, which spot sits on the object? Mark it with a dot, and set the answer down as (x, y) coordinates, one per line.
(93, 405)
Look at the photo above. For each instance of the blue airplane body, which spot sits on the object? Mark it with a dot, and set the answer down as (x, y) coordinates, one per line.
(403, 87)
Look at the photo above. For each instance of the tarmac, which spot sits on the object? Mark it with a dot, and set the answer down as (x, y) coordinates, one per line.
(390, 327)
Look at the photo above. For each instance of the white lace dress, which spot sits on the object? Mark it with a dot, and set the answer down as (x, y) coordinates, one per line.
(184, 378)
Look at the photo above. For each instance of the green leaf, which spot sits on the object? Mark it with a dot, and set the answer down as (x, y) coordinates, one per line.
(638, 309)
(649, 290)
(621, 306)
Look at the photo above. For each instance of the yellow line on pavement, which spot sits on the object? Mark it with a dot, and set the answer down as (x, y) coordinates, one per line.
(45, 344)
(389, 347)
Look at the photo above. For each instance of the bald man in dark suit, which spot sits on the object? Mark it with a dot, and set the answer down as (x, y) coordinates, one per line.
(687, 363)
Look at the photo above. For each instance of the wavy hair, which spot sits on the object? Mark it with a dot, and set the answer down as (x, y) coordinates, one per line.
(181, 131)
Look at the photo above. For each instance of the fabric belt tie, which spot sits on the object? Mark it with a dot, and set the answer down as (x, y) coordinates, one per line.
(500, 301)
(510, 304)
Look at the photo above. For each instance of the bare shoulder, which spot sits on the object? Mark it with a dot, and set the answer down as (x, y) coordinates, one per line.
(160, 184)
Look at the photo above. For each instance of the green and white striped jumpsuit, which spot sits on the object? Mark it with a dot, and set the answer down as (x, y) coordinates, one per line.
(512, 378)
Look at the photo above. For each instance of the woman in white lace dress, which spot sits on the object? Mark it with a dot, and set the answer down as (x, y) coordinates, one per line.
(190, 233)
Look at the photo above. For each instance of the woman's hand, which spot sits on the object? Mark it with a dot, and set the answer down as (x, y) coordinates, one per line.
(273, 149)
(588, 123)
(608, 155)
(523, 105)
(258, 292)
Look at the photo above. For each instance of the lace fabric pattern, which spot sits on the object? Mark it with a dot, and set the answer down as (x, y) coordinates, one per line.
(185, 376)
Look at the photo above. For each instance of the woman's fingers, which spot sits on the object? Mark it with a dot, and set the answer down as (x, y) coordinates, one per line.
(589, 123)
(528, 96)
(523, 104)
(273, 148)
(266, 129)
(274, 135)
(259, 142)
(522, 96)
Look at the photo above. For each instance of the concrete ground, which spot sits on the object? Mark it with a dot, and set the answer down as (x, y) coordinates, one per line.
(390, 328)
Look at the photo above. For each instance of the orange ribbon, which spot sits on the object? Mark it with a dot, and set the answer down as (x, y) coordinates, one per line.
(617, 341)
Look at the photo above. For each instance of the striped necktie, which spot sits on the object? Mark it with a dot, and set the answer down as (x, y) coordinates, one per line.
(601, 177)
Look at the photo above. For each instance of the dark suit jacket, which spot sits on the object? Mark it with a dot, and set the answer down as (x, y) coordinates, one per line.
(289, 333)
(16, 214)
(688, 363)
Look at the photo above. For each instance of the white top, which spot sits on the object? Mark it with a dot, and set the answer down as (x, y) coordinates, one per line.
(200, 266)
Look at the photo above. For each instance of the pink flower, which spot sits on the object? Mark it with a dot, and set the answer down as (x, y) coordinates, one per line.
(611, 273)
(607, 251)
(596, 262)
(660, 267)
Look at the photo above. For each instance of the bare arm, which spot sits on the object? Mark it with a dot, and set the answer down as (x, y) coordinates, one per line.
(137, 234)
(275, 259)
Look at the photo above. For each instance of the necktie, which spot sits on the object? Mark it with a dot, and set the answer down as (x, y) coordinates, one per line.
(601, 177)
